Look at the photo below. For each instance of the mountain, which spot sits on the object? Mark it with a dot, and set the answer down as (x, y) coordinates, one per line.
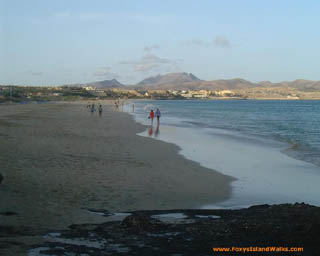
(105, 84)
(301, 84)
(188, 81)
(230, 84)
(171, 78)
(114, 83)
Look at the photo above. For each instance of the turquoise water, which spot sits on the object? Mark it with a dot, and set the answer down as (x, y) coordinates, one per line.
(294, 122)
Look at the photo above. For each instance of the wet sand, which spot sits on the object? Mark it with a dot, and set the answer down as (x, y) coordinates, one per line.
(264, 174)
(59, 160)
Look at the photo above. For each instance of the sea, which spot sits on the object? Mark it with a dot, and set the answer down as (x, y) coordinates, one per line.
(271, 147)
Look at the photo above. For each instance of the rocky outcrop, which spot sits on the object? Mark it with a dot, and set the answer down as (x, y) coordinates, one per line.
(192, 232)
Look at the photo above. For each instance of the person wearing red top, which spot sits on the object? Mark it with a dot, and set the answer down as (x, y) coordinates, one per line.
(151, 116)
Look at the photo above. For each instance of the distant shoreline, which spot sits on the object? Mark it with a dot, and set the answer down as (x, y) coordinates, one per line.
(141, 99)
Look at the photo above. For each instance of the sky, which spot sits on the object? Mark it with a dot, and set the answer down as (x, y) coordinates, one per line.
(45, 42)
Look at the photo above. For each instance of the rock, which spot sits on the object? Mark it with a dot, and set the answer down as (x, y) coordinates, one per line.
(139, 222)
(260, 206)
(8, 213)
(286, 225)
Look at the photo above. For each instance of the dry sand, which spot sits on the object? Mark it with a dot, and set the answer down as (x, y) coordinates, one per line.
(58, 160)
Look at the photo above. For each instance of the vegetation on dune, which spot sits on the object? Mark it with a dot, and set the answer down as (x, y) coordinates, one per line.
(32, 93)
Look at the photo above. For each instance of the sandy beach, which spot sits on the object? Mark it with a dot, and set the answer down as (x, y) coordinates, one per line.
(58, 160)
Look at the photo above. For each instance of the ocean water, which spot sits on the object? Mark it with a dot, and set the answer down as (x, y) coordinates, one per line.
(271, 147)
(294, 122)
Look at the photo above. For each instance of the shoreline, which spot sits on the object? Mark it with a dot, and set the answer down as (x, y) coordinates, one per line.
(85, 203)
(264, 173)
(58, 161)
(288, 150)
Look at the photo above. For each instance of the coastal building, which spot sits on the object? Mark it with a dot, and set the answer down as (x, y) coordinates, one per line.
(187, 94)
(225, 93)
(201, 94)
(89, 88)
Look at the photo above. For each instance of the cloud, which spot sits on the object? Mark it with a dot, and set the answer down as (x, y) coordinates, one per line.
(68, 16)
(197, 43)
(151, 58)
(151, 47)
(36, 73)
(218, 42)
(150, 62)
(105, 72)
(145, 67)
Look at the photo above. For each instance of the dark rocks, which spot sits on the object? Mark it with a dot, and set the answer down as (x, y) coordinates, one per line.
(140, 222)
(100, 211)
(8, 213)
(261, 206)
(13, 231)
(286, 225)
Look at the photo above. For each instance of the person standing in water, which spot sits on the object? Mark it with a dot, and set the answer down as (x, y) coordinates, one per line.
(158, 115)
(151, 116)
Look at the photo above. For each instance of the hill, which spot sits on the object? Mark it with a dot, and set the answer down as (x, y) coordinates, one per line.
(301, 84)
(114, 83)
(105, 84)
(174, 79)
(188, 81)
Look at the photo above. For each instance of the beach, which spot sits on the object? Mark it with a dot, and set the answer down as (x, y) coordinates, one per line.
(58, 161)
(272, 154)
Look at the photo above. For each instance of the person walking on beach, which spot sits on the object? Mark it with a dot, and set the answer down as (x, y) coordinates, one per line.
(151, 116)
(92, 108)
(100, 109)
(158, 115)
(132, 107)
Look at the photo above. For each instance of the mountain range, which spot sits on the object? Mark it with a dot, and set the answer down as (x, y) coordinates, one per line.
(180, 81)
(188, 81)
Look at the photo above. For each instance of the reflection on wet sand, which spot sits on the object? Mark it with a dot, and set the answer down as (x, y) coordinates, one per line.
(156, 132)
(151, 131)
